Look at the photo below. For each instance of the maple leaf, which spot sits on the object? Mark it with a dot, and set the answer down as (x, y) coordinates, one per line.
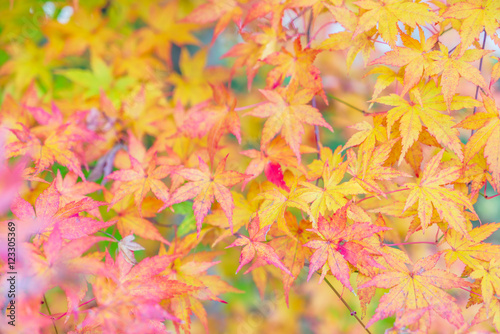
(368, 134)
(414, 56)
(226, 119)
(223, 12)
(299, 67)
(429, 192)
(425, 108)
(164, 29)
(192, 270)
(28, 63)
(455, 66)
(341, 244)
(71, 190)
(63, 265)
(490, 282)
(414, 289)
(48, 214)
(362, 42)
(276, 200)
(98, 78)
(130, 220)
(333, 194)
(286, 115)
(203, 187)
(244, 209)
(192, 85)
(256, 46)
(471, 252)
(292, 250)
(139, 181)
(386, 76)
(274, 154)
(327, 159)
(494, 314)
(127, 247)
(56, 147)
(369, 167)
(133, 290)
(85, 31)
(487, 136)
(477, 15)
(387, 14)
(254, 246)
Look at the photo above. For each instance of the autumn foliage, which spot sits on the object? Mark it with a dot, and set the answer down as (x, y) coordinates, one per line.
(151, 150)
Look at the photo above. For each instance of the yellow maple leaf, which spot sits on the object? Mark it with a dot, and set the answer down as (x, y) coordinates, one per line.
(429, 192)
(412, 114)
(286, 115)
(333, 194)
(388, 13)
(487, 125)
(455, 66)
(476, 15)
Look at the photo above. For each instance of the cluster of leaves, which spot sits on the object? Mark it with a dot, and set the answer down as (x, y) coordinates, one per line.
(115, 89)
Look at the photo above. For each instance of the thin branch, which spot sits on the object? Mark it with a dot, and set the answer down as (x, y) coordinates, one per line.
(453, 49)
(249, 106)
(477, 294)
(317, 32)
(444, 32)
(353, 313)
(413, 243)
(389, 192)
(489, 197)
(477, 87)
(346, 103)
(50, 314)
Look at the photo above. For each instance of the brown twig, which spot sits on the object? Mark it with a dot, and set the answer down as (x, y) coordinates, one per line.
(50, 314)
(353, 313)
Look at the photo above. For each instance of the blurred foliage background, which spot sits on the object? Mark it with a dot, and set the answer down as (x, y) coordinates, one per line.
(74, 50)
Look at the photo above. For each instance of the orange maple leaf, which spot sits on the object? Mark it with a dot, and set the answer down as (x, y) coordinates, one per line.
(203, 187)
(341, 244)
(222, 11)
(48, 214)
(292, 250)
(298, 66)
(139, 181)
(286, 115)
(130, 220)
(254, 246)
(419, 288)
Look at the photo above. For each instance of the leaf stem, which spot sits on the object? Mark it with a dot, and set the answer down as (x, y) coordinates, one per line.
(317, 32)
(346, 103)
(50, 314)
(474, 293)
(249, 106)
(489, 197)
(444, 32)
(353, 313)
(390, 192)
(412, 243)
